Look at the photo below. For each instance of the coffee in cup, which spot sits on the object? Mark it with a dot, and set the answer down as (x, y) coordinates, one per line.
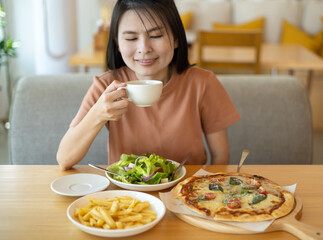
(143, 93)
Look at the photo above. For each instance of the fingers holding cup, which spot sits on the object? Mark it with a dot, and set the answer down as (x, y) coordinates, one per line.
(115, 105)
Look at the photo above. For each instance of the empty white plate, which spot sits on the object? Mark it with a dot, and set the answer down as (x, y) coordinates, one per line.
(79, 184)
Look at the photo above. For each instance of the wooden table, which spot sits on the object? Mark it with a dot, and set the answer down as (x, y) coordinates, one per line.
(289, 57)
(88, 57)
(30, 210)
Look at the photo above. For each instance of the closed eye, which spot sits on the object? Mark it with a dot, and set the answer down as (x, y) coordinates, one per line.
(158, 36)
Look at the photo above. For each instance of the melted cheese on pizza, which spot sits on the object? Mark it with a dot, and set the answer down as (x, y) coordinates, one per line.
(222, 195)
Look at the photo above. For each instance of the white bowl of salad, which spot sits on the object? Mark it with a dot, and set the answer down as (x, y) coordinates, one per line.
(145, 173)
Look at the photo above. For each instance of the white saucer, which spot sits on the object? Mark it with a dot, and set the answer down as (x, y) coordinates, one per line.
(79, 184)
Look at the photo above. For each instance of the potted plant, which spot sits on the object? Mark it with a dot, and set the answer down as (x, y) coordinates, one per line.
(7, 49)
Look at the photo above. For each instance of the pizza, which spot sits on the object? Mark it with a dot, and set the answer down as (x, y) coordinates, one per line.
(237, 197)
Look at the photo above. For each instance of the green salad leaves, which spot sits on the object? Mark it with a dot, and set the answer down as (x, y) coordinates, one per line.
(149, 169)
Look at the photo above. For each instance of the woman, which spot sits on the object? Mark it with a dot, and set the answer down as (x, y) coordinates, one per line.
(147, 41)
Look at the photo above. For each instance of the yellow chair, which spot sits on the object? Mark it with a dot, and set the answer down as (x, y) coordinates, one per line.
(230, 49)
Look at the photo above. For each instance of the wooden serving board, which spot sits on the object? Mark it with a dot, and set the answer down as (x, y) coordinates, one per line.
(288, 223)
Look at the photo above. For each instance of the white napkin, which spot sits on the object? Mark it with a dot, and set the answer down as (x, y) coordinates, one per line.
(174, 205)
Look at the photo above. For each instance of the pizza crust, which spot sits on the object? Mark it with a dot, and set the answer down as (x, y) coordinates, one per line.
(179, 195)
(287, 207)
(227, 214)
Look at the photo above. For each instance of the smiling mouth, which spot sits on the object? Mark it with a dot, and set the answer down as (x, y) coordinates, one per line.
(146, 61)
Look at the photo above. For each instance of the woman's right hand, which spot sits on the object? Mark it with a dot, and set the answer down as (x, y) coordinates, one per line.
(113, 103)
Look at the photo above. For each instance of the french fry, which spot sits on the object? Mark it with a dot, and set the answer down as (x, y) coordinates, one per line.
(92, 222)
(95, 214)
(114, 207)
(115, 213)
(82, 221)
(99, 223)
(140, 206)
(98, 202)
(107, 218)
(131, 218)
(133, 225)
(87, 216)
(106, 226)
(119, 225)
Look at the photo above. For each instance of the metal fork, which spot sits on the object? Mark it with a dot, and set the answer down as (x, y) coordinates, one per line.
(188, 156)
(103, 169)
(244, 155)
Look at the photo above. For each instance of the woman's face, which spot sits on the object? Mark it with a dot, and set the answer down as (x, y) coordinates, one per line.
(145, 47)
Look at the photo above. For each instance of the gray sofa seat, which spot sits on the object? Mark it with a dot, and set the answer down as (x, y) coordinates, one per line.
(276, 123)
(42, 109)
(276, 119)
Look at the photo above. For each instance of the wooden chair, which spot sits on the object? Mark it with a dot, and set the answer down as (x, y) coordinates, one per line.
(230, 49)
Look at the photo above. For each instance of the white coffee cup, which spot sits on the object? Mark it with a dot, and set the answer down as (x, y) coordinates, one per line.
(143, 93)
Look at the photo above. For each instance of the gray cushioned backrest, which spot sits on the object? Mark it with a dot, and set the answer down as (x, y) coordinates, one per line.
(276, 119)
(276, 122)
(42, 110)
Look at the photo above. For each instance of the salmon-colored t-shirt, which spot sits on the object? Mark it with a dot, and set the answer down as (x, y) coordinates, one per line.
(191, 102)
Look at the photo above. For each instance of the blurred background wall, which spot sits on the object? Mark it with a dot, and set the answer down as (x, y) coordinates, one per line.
(49, 32)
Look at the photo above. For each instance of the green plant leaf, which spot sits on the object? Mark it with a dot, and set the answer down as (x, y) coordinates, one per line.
(2, 44)
(7, 44)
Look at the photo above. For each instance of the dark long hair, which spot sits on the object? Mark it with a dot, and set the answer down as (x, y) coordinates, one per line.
(166, 11)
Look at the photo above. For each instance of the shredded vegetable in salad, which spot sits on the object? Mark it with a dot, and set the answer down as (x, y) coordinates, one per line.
(150, 169)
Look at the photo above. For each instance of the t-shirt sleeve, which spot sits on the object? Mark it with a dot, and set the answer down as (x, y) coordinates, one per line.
(91, 97)
(217, 109)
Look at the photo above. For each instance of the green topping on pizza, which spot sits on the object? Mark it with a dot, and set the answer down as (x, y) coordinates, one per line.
(235, 181)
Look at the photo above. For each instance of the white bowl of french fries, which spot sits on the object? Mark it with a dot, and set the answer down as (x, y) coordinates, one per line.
(116, 213)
